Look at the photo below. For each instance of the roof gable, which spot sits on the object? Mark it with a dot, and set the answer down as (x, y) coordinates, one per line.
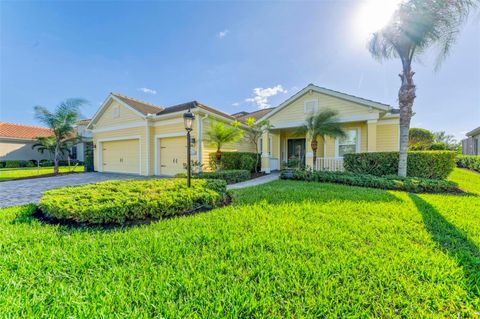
(313, 88)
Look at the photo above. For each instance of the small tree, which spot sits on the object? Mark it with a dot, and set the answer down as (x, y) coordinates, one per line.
(419, 139)
(255, 132)
(323, 123)
(61, 122)
(220, 134)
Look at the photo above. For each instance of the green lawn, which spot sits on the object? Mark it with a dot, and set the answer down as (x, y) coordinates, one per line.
(284, 249)
(13, 173)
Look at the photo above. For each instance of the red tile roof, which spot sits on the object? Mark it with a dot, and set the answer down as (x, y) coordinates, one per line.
(30, 132)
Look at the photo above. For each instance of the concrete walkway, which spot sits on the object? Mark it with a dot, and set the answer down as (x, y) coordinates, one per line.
(256, 181)
(27, 191)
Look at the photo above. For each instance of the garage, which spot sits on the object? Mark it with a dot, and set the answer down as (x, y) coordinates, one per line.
(121, 156)
(173, 155)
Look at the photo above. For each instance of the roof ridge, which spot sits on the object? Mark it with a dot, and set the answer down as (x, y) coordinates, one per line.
(137, 100)
(25, 125)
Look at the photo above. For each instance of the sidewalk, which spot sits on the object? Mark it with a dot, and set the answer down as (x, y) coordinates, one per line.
(256, 181)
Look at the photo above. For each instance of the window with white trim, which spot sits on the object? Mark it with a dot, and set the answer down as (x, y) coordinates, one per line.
(116, 111)
(310, 106)
(349, 143)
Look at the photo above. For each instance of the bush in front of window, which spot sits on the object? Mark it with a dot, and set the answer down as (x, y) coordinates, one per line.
(424, 164)
(408, 184)
(121, 202)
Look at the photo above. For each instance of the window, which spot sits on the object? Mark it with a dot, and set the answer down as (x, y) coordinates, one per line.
(310, 106)
(348, 144)
(116, 111)
(74, 152)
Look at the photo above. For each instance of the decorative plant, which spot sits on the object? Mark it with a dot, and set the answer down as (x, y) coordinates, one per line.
(416, 26)
(323, 123)
(255, 132)
(220, 134)
(61, 122)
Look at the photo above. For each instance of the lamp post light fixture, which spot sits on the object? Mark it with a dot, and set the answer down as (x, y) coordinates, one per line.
(188, 118)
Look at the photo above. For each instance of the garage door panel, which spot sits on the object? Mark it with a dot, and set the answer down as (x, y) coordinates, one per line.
(121, 156)
(173, 155)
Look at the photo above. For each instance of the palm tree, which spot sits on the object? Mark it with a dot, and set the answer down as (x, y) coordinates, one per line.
(323, 123)
(61, 122)
(221, 134)
(416, 26)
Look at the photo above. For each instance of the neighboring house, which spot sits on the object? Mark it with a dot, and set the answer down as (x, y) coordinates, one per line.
(131, 136)
(78, 151)
(16, 141)
(471, 145)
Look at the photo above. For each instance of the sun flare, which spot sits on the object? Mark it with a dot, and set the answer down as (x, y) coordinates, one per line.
(374, 15)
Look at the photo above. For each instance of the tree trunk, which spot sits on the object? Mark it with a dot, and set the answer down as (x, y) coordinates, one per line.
(55, 160)
(406, 96)
(218, 156)
(314, 145)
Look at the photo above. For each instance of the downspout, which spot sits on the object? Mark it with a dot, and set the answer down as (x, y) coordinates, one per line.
(200, 141)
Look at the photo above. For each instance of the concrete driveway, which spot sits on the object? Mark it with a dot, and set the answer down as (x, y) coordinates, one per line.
(26, 191)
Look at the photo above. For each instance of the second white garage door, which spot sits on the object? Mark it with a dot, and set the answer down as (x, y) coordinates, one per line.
(121, 156)
(173, 155)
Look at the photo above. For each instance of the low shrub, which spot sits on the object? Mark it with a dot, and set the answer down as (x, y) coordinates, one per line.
(14, 164)
(234, 161)
(469, 161)
(409, 184)
(119, 202)
(2, 164)
(230, 176)
(46, 163)
(424, 164)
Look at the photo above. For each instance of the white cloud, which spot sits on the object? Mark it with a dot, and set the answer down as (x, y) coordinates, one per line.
(148, 91)
(223, 34)
(236, 104)
(262, 95)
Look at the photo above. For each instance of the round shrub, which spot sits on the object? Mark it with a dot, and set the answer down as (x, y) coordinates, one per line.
(120, 202)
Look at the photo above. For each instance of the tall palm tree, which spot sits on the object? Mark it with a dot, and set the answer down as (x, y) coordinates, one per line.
(323, 123)
(416, 26)
(61, 122)
(221, 134)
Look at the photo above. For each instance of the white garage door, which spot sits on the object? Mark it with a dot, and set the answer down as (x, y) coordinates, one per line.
(121, 156)
(173, 155)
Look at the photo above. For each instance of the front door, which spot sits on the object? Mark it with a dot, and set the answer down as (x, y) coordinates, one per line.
(296, 150)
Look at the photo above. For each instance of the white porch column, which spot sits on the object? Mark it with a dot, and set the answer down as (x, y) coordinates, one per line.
(265, 153)
(372, 135)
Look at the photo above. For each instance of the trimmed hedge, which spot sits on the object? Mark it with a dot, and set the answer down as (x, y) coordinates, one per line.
(409, 184)
(469, 161)
(229, 176)
(234, 161)
(119, 202)
(424, 164)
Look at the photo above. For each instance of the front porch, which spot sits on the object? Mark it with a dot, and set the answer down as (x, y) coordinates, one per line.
(284, 147)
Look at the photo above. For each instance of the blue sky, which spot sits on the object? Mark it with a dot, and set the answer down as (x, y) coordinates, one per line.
(217, 53)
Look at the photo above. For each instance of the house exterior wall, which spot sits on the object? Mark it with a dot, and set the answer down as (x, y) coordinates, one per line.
(11, 149)
(388, 138)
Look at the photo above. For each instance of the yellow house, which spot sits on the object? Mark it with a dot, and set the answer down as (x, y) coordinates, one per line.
(132, 136)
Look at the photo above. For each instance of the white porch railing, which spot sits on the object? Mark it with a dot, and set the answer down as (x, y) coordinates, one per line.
(333, 164)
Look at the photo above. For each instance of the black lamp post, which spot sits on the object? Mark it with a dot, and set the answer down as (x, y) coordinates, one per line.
(188, 118)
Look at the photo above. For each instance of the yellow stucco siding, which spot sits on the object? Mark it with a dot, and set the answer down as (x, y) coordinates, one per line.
(387, 137)
(118, 135)
(296, 110)
(112, 117)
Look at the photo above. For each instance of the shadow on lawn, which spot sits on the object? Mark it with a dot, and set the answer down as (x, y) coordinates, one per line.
(453, 242)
